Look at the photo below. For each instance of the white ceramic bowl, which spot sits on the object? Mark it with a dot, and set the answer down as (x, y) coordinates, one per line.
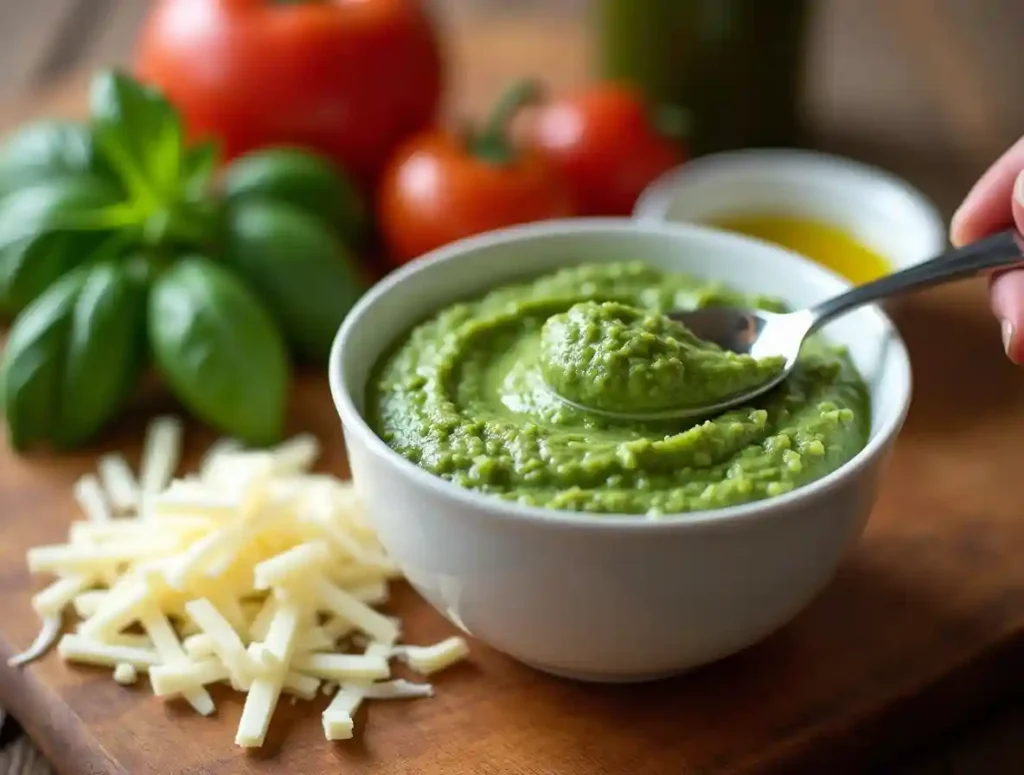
(882, 211)
(610, 598)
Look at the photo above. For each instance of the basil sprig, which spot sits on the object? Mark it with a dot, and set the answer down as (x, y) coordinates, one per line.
(118, 251)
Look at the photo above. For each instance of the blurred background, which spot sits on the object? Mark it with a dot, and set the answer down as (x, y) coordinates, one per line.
(928, 88)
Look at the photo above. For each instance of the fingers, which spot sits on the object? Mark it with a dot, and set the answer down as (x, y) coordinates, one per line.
(1008, 306)
(997, 202)
(1008, 288)
(987, 207)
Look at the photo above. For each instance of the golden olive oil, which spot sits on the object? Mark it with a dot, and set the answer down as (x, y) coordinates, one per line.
(821, 242)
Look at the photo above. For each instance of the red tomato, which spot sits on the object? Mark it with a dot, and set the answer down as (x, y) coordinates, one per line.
(443, 186)
(349, 79)
(605, 143)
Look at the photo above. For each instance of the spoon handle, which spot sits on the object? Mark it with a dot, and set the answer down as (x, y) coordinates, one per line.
(1003, 249)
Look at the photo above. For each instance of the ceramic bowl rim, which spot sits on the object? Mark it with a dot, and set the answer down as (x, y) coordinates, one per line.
(492, 507)
(655, 200)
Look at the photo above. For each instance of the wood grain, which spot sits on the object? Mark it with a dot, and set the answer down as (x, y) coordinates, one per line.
(921, 627)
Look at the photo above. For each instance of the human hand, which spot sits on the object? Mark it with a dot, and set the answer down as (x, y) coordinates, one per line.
(997, 202)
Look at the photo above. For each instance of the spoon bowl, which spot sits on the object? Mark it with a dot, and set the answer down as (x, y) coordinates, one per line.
(763, 334)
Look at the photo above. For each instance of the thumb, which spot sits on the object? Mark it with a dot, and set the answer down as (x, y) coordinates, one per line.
(1008, 289)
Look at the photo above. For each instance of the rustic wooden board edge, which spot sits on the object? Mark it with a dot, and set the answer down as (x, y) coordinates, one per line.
(59, 734)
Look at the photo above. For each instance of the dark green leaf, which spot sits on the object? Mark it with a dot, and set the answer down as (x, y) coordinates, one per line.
(48, 149)
(40, 238)
(219, 350)
(304, 180)
(30, 367)
(73, 356)
(140, 133)
(302, 272)
(104, 353)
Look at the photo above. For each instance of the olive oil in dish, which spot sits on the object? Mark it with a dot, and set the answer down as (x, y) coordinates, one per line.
(823, 243)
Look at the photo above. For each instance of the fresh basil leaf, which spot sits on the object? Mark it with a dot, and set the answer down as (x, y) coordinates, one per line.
(43, 234)
(307, 278)
(46, 150)
(104, 353)
(199, 165)
(219, 350)
(140, 133)
(30, 366)
(73, 357)
(304, 180)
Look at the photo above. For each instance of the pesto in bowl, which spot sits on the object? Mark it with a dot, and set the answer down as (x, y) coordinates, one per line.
(465, 395)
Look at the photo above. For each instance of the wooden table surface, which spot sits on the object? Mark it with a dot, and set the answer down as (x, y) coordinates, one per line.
(927, 88)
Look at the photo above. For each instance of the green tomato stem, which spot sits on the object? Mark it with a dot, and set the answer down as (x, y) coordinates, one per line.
(493, 144)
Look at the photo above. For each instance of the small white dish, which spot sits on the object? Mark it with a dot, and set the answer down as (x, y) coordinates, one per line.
(611, 598)
(882, 211)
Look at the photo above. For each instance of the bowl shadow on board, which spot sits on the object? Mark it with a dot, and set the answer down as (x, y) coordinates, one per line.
(867, 639)
(960, 373)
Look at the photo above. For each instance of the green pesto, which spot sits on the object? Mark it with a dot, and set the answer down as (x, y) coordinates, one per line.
(463, 396)
(617, 358)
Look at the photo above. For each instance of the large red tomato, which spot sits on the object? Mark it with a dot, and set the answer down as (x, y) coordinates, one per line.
(350, 79)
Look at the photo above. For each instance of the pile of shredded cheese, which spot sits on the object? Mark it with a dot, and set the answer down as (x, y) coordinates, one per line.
(253, 571)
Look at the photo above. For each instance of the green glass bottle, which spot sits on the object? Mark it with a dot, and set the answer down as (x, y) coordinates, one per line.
(734, 66)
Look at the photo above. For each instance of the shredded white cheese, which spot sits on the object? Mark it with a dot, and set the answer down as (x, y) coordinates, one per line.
(119, 482)
(133, 639)
(299, 685)
(56, 597)
(160, 454)
(343, 667)
(297, 455)
(399, 689)
(254, 571)
(89, 494)
(77, 648)
(283, 568)
(226, 643)
(337, 719)
(48, 634)
(87, 603)
(426, 660)
(159, 629)
(126, 674)
(344, 605)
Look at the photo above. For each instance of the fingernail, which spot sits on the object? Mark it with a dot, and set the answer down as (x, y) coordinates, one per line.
(1007, 336)
(1018, 189)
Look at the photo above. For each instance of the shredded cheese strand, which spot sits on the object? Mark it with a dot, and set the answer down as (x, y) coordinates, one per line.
(252, 571)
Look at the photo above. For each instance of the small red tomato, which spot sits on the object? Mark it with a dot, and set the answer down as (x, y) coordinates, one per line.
(442, 186)
(606, 143)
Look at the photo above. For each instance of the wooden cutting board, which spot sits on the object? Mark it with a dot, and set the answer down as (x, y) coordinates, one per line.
(921, 627)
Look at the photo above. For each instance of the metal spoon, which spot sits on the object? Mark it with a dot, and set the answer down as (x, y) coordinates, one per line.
(764, 334)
